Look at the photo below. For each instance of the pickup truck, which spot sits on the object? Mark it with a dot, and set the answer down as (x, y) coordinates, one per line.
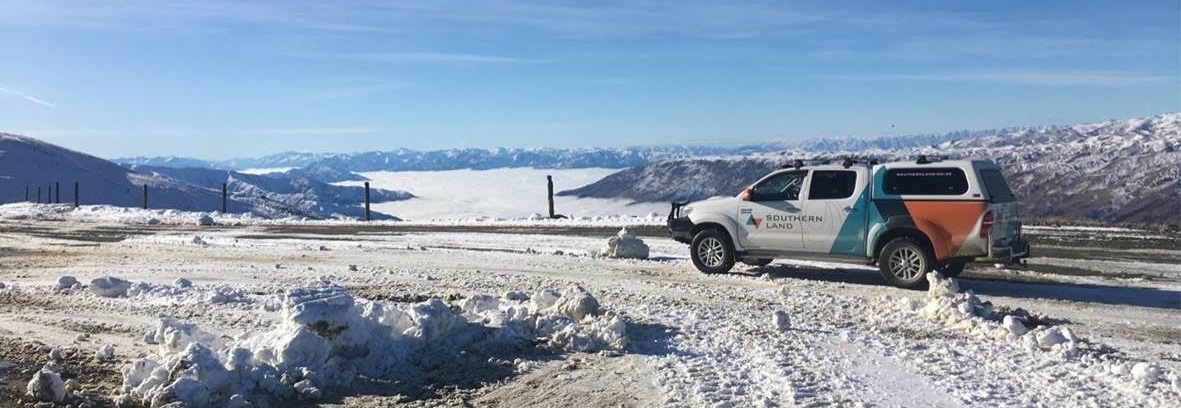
(908, 218)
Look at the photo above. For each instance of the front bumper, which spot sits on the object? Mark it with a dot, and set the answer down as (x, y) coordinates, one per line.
(679, 226)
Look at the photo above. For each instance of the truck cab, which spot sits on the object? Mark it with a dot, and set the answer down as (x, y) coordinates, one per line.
(907, 217)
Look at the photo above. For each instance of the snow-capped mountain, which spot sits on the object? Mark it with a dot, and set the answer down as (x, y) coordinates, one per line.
(1115, 171)
(28, 162)
(287, 192)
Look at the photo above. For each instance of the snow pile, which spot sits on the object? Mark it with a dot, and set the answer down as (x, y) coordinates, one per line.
(327, 338)
(47, 385)
(110, 287)
(66, 283)
(625, 245)
(182, 291)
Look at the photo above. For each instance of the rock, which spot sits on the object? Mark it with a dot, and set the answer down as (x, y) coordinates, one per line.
(105, 353)
(182, 283)
(46, 386)
(2, 285)
(65, 282)
(625, 245)
(781, 321)
(55, 355)
(307, 390)
(205, 220)
(197, 240)
(352, 268)
(153, 221)
(1015, 326)
(73, 385)
(110, 287)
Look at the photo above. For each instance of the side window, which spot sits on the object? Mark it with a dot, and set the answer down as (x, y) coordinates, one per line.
(832, 184)
(926, 181)
(997, 188)
(784, 186)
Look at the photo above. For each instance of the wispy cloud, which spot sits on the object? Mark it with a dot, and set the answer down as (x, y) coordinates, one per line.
(419, 57)
(1042, 78)
(27, 97)
(325, 131)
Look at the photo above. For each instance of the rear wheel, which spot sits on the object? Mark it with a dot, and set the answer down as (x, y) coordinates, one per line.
(712, 251)
(905, 263)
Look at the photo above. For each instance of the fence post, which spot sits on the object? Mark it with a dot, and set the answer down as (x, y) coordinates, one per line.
(550, 183)
(367, 216)
(224, 193)
(75, 194)
(26, 194)
(38, 194)
(57, 187)
(145, 196)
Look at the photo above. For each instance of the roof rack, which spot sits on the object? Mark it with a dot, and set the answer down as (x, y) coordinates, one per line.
(846, 161)
(924, 159)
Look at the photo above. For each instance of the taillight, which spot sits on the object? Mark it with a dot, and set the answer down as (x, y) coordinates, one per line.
(986, 225)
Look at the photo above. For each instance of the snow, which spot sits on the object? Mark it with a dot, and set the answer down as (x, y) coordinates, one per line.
(439, 307)
(265, 170)
(106, 352)
(781, 321)
(328, 337)
(624, 245)
(110, 287)
(513, 193)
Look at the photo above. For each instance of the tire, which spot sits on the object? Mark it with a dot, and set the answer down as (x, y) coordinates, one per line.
(712, 251)
(757, 261)
(953, 268)
(905, 263)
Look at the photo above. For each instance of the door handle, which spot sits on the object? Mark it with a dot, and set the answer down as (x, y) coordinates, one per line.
(792, 210)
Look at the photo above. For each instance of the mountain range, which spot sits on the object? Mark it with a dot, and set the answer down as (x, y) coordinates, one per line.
(29, 165)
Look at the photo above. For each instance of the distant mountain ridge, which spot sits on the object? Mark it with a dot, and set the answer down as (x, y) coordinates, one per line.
(1114, 171)
(552, 158)
(33, 164)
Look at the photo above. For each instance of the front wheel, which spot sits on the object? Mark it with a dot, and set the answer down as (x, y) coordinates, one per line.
(712, 251)
(905, 263)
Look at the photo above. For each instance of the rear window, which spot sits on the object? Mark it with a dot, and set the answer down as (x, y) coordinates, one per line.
(832, 184)
(998, 188)
(926, 181)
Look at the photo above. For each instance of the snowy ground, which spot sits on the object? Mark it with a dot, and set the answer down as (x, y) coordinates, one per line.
(1103, 333)
(499, 193)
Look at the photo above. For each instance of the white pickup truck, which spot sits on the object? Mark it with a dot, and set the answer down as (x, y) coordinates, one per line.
(907, 217)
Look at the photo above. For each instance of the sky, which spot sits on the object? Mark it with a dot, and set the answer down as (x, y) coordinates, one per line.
(221, 79)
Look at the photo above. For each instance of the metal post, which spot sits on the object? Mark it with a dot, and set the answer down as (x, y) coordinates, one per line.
(550, 183)
(145, 196)
(75, 194)
(367, 216)
(38, 194)
(57, 197)
(224, 193)
(26, 194)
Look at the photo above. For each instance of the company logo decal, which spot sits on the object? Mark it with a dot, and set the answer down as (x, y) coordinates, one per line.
(751, 220)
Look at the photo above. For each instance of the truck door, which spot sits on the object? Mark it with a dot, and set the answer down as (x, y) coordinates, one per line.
(768, 215)
(834, 212)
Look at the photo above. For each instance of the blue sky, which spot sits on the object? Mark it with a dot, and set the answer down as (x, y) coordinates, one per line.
(219, 79)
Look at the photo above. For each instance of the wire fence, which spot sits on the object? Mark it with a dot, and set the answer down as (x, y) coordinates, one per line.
(51, 194)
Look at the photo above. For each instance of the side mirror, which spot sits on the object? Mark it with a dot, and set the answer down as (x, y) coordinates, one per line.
(746, 194)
